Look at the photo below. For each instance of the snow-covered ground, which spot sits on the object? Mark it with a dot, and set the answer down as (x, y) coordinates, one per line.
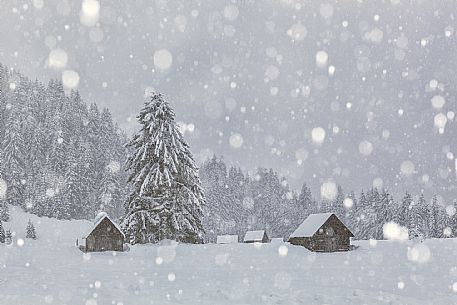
(51, 270)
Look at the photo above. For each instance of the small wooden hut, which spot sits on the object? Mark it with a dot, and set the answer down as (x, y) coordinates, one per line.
(259, 236)
(322, 233)
(105, 236)
(227, 239)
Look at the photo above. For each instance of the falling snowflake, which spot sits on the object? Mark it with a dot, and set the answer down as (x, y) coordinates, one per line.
(321, 59)
(318, 135)
(90, 12)
(329, 190)
(236, 140)
(57, 59)
(163, 59)
(394, 231)
(70, 79)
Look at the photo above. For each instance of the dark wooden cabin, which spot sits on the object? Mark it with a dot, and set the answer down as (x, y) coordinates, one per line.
(105, 236)
(259, 236)
(322, 233)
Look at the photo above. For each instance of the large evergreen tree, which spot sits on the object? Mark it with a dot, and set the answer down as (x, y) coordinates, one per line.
(167, 198)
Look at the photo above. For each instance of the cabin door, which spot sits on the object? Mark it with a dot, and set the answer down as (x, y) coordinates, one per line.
(332, 240)
(333, 244)
(104, 243)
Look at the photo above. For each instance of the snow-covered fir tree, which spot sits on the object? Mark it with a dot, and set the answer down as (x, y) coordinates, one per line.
(451, 220)
(2, 233)
(403, 214)
(13, 150)
(270, 203)
(8, 237)
(30, 231)
(368, 206)
(237, 199)
(167, 199)
(417, 218)
(228, 203)
(384, 213)
(4, 212)
(218, 215)
(435, 219)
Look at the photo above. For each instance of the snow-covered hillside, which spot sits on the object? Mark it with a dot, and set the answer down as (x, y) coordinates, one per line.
(51, 270)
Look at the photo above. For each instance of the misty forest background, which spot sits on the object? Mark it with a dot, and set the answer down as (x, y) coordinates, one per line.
(62, 158)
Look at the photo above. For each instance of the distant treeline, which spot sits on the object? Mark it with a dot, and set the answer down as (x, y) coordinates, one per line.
(237, 202)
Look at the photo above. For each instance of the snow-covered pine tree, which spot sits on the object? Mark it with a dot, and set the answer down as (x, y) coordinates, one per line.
(381, 211)
(213, 174)
(404, 209)
(8, 237)
(338, 204)
(236, 201)
(435, 230)
(358, 216)
(4, 96)
(385, 212)
(30, 231)
(4, 213)
(13, 146)
(351, 211)
(2, 233)
(306, 203)
(103, 155)
(369, 220)
(75, 190)
(42, 200)
(270, 203)
(167, 199)
(60, 131)
(32, 135)
(418, 217)
(451, 219)
(95, 156)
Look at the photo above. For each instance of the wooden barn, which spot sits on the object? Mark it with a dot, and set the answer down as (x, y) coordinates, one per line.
(105, 236)
(259, 236)
(322, 233)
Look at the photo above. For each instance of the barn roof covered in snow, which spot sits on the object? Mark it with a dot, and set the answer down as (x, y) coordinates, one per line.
(254, 235)
(99, 218)
(227, 239)
(311, 225)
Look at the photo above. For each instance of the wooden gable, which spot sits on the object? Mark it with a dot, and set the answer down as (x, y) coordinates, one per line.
(334, 226)
(105, 236)
(106, 228)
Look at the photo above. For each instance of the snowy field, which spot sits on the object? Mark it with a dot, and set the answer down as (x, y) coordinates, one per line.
(51, 270)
